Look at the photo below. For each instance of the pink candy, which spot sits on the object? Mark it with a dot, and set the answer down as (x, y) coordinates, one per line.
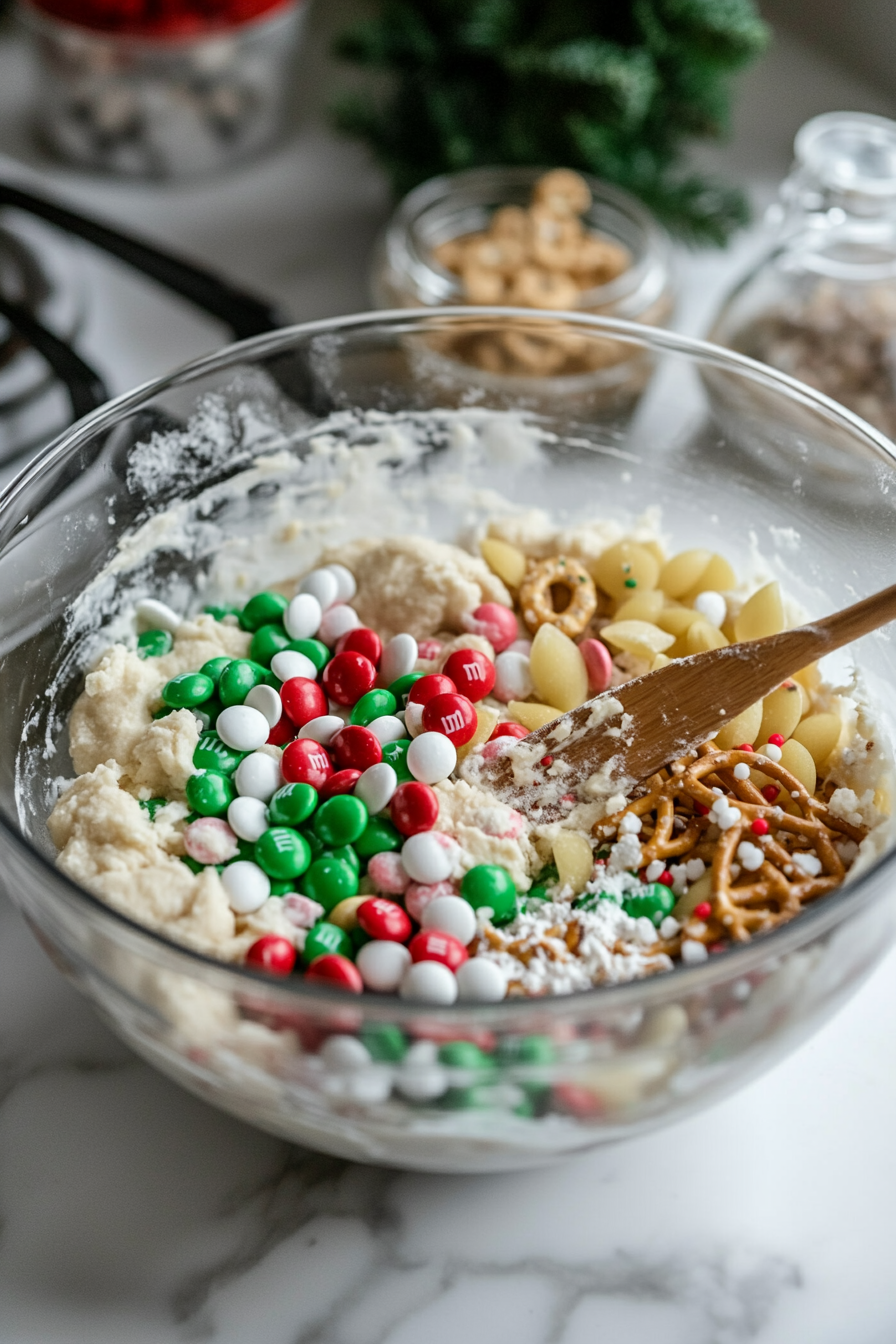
(428, 649)
(210, 840)
(418, 896)
(598, 664)
(495, 623)
(387, 873)
(301, 910)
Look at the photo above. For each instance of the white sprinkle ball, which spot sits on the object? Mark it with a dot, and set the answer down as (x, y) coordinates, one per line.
(376, 786)
(772, 751)
(712, 607)
(243, 728)
(750, 856)
(321, 584)
(302, 617)
(669, 927)
(336, 622)
(809, 863)
(290, 663)
(692, 952)
(399, 657)
(429, 982)
(654, 870)
(344, 1052)
(630, 824)
(728, 817)
(155, 615)
(258, 776)
(266, 700)
(451, 914)
(431, 757)
(323, 729)
(382, 964)
(513, 679)
(695, 868)
(480, 980)
(345, 582)
(423, 1081)
(247, 886)
(387, 728)
(425, 859)
(247, 817)
(741, 771)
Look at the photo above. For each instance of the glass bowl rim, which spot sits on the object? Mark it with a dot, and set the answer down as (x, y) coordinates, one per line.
(735, 962)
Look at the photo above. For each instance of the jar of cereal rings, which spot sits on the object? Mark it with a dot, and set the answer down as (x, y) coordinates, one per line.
(527, 238)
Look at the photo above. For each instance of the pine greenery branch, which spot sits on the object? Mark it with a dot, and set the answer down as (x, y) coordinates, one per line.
(615, 89)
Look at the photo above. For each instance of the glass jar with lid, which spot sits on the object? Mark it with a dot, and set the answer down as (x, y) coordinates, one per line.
(411, 265)
(821, 303)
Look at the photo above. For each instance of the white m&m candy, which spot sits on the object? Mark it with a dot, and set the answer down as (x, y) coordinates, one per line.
(336, 622)
(382, 965)
(248, 818)
(429, 982)
(302, 617)
(376, 787)
(242, 727)
(258, 776)
(399, 657)
(247, 886)
(321, 584)
(480, 981)
(345, 582)
(431, 757)
(290, 663)
(266, 700)
(451, 914)
(428, 857)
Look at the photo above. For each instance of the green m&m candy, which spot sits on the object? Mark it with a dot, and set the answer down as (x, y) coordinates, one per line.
(262, 609)
(313, 649)
(401, 688)
(464, 1055)
(654, 902)
(154, 643)
(315, 844)
(292, 804)
(214, 667)
(213, 754)
(385, 1041)
(372, 706)
(395, 754)
(324, 938)
(221, 609)
(187, 690)
(489, 885)
(282, 852)
(340, 820)
(526, 1050)
(238, 679)
(268, 640)
(210, 793)
(348, 854)
(378, 836)
(330, 880)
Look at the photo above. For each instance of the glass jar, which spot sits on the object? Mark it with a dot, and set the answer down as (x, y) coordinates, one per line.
(172, 100)
(821, 303)
(407, 274)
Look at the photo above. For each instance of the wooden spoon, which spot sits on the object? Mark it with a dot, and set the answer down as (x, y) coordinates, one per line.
(631, 731)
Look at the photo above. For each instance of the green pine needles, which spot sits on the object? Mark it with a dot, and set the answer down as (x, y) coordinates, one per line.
(615, 89)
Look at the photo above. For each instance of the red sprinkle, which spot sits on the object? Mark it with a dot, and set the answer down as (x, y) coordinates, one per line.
(770, 792)
(701, 810)
(759, 826)
(271, 953)
(546, 761)
(776, 740)
(665, 878)
(703, 910)
(744, 746)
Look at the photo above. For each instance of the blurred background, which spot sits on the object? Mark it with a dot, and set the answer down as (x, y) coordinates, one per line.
(270, 140)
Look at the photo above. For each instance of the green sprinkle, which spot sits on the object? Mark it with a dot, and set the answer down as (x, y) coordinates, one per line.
(631, 583)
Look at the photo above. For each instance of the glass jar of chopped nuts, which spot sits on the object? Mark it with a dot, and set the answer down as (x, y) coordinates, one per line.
(526, 238)
(821, 303)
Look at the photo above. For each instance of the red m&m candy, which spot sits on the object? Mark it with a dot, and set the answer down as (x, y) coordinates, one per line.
(283, 731)
(303, 700)
(306, 762)
(452, 715)
(384, 920)
(428, 687)
(433, 945)
(495, 623)
(343, 781)
(472, 673)
(414, 808)
(347, 677)
(336, 971)
(362, 640)
(273, 954)
(356, 748)
(508, 730)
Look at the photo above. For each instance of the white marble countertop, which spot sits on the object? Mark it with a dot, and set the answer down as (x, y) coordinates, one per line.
(131, 1212)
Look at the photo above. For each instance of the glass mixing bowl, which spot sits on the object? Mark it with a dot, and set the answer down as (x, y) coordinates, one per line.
(138, 498)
